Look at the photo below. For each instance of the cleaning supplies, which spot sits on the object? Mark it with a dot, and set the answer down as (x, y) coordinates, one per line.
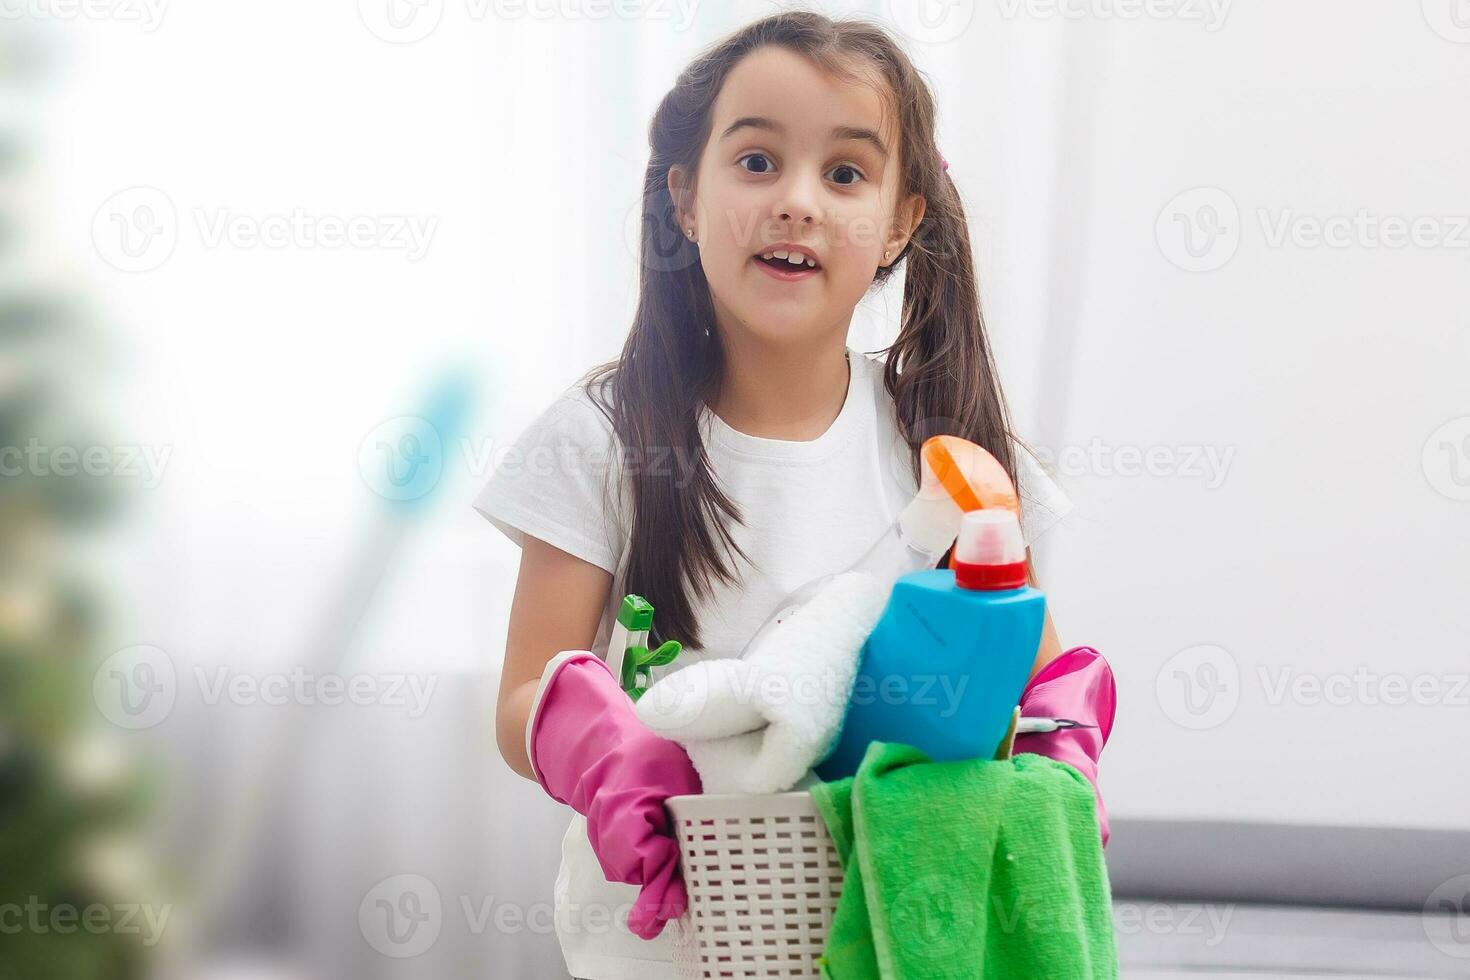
(628, 656)
(944, 668)
(758, 724)
(956, 476)
(977, 870)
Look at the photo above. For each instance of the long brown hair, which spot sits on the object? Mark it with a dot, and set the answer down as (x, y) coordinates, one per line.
(939, 372)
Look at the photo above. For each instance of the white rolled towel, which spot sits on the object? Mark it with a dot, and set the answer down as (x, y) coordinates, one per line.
(758, 725)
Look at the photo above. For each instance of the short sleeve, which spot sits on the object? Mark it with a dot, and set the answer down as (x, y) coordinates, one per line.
(558, 482)
(1043, 502)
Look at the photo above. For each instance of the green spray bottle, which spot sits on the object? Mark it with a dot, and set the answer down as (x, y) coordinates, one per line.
(628, 656)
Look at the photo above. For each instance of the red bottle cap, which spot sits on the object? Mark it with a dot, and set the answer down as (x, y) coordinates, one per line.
(990, 552)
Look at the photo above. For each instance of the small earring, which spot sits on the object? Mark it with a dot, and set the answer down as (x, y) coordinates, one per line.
(689, 232)
(885, 255)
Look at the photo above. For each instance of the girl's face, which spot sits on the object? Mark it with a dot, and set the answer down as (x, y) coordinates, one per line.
(795, 158)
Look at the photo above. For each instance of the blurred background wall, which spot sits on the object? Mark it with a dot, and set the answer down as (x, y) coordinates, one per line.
(1223, 251)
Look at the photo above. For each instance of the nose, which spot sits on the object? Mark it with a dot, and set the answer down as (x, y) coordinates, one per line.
(799, 200)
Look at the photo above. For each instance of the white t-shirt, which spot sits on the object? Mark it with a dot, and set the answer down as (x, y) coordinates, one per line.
(809, 508)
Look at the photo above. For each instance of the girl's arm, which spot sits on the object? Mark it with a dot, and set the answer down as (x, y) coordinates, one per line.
(1051, 646)
(559, 601)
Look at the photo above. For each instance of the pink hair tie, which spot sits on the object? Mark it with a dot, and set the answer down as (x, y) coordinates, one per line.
(944, 164)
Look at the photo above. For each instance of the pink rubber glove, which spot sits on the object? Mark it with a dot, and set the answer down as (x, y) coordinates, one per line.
(1078, 685)
(590, 751)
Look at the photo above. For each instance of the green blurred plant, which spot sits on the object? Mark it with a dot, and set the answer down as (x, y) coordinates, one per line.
(69, 798)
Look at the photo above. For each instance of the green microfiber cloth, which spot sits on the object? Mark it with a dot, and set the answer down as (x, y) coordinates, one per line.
(966, 870)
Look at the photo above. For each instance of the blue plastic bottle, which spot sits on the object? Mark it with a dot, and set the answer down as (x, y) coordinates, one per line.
(946, 664)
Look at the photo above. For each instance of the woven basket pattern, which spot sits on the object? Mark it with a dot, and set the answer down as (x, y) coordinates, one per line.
(763, 879)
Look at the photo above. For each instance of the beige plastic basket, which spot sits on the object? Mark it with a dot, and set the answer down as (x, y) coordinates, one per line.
(763, 878)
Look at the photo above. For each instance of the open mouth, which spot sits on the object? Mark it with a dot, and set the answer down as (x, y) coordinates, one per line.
(786, 264)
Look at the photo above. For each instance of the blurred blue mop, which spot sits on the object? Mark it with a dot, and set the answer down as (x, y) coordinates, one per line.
(406, 500)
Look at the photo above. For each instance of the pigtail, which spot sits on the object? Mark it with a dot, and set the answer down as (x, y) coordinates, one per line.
(941, 371)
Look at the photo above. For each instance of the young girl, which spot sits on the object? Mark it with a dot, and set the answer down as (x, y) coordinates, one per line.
(738, 447)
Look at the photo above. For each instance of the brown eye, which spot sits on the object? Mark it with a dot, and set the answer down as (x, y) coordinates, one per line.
(856, 176)
(758, 156)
